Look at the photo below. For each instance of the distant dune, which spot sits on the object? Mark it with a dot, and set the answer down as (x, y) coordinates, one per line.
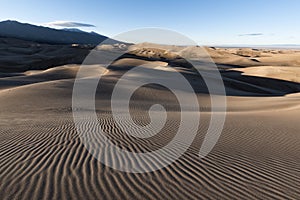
(42, 156)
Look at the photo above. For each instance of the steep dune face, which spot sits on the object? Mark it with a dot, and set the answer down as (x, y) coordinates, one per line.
(256, 157)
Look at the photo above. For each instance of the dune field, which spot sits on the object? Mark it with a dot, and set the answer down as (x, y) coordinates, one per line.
(42, 155)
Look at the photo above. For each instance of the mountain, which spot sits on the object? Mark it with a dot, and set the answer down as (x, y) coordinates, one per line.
(73, 30)
(47, 35)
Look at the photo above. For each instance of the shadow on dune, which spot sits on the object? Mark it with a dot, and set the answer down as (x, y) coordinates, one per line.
(35, 56)
(19, 55)
(236, 83)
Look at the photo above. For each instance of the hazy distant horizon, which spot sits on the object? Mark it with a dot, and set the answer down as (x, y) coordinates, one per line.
(270, 46)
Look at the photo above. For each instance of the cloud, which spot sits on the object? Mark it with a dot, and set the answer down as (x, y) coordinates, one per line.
(251, 34)
(69, 24)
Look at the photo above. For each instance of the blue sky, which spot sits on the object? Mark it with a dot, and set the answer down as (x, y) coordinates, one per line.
(210, 22)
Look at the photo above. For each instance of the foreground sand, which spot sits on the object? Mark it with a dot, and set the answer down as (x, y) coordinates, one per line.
(257, 156)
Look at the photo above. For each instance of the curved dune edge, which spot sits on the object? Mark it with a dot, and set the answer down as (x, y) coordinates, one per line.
(287, 73)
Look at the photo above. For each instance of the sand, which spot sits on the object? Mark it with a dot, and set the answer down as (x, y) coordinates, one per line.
(256, 157)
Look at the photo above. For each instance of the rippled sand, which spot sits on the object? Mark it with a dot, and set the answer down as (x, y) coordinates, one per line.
(256, 157)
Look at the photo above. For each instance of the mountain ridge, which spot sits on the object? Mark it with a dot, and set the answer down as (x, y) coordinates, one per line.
(30, 32)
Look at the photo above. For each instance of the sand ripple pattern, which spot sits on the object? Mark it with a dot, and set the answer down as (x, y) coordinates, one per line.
(47, 160)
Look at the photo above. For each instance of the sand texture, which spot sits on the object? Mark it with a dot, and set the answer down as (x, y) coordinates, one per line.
(256, 157)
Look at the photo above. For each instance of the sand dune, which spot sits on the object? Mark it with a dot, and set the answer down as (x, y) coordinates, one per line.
(288, 73)
(20, 55)
(42, 156)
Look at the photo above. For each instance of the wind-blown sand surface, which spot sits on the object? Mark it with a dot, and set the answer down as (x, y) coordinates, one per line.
(256, 157)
